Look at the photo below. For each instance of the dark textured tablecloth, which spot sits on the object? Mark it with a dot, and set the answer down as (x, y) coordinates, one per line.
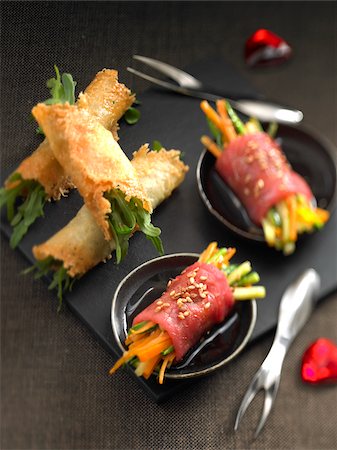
(55, 392)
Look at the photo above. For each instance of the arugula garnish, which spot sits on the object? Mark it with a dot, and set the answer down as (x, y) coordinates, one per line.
(62, 90)
(156, 146)
(28, 211)
(124, 219)
(61, 280)
(132, 115)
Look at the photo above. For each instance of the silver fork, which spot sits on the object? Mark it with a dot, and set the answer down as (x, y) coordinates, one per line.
(295, 308)
(191, 86)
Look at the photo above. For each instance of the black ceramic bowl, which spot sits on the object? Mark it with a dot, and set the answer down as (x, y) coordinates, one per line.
(147, 282)
(311, 155)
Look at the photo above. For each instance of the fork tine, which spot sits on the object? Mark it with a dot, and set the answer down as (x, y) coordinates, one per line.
(268, 403)
(252, 390)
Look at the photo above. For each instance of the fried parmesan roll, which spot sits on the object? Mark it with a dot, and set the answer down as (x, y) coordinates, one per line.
(103, 174)
(40, 177)
(80, 245)
(107, 100)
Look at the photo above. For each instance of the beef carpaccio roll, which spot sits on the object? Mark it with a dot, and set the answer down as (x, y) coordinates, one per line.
(201, 297)
(40, 177)
(275, 196)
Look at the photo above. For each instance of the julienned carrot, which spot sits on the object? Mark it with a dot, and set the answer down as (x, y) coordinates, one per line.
(150, 366)
(148, 353)
(211, 146)
(222, 110)
(215, 118)
(208, 252)
(168, 359)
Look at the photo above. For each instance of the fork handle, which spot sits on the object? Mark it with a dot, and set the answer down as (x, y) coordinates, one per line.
(296, 306)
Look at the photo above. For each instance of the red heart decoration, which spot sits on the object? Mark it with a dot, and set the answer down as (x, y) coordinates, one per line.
(266, 48)
(319, 364)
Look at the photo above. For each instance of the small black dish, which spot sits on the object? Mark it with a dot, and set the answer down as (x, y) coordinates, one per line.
(147, 282)
(311, 155)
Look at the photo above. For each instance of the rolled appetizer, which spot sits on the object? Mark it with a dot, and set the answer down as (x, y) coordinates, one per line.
(40, 177)
(102, 173)
(275, 197)
(195, 301)
(81, 245)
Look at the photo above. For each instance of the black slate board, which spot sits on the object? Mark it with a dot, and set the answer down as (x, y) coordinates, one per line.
(187, 226)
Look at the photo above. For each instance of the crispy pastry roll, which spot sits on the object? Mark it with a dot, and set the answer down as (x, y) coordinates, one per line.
(107, 100)
(40, 176)
(103, 174)
(80, 245)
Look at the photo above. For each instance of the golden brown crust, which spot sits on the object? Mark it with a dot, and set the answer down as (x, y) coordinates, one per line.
(42, 166)
(161, 172)
(107, 100)
(91, 157)
(80, 245)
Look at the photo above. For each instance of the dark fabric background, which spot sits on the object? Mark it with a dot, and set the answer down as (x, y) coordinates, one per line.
(55, 392)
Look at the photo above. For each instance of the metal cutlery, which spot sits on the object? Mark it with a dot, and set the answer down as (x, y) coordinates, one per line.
(190, 86)
(295, 308)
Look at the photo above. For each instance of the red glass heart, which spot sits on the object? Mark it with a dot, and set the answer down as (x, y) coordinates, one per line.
(319, 364)
(266, 48)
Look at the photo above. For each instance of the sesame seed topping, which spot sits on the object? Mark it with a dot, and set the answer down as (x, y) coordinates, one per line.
(159, 302)
(181, 316)
(193, 295)
(189, 300)
(186, 313)
(158, 309)
(166, 305)
(207, 305)
(169, 283)
(192, 280)
(191, 274)
(246, 191)
(260, 183)
(202, 294)
(172, 293)
(203, 278)
(191, 287)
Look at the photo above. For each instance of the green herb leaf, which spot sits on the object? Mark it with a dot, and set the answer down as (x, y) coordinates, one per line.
(132, 115)
(156, 146)
(29, 210)
(61, 280)
(123, 220)
(62, 90)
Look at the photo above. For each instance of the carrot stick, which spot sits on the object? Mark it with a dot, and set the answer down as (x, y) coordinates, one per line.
(211, 146)
(150, 366)
(154, 350)
(206, 254)
(169, 358)
(215, 118)
(227, 256)
(222, 110)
